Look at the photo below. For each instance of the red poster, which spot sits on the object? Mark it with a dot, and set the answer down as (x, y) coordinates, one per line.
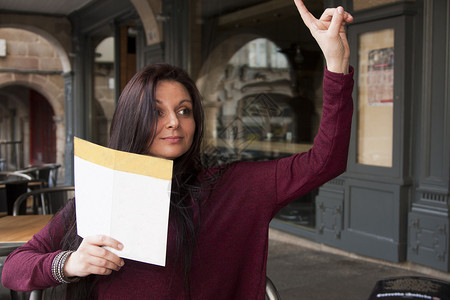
(380, 79)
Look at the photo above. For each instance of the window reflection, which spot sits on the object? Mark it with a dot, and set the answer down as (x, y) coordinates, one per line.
(264, 110)
(376, 98)
(104, 90)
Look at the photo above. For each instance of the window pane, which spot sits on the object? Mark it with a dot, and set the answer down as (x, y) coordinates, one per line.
(365, 4)
(261, 114)
(104, 90)
(376, 98)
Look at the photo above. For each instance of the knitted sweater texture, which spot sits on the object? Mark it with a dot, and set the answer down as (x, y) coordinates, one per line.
(229, 259)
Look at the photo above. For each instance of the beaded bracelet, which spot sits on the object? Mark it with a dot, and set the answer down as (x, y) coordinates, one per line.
(58, 268)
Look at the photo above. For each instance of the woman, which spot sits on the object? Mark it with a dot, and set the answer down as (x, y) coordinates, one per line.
(218, 229)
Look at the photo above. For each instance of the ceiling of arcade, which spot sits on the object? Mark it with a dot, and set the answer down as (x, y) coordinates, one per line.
(48, 7)
(209, 8)
(228, 15)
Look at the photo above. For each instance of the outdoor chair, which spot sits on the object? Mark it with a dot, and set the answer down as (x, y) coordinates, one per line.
(54, 198)
(47, 173)
(36, 295)
(51, 199)
(15, 185)
(13, 177)
(271, 290)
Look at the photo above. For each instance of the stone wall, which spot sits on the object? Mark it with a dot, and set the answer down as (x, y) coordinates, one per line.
(31, 62)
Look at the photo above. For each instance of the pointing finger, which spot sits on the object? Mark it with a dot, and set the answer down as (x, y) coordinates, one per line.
(307, 17)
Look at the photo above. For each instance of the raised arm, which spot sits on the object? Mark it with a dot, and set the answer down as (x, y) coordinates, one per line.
(329, 32)
(327, 159)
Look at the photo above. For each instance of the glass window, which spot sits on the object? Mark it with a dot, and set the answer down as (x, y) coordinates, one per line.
(255, 120)
(376, 98)
(263, 112)
(104, 90)
(364, 4)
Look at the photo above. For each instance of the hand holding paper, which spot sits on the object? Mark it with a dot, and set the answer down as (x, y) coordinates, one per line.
(91, 259)
(125, 196)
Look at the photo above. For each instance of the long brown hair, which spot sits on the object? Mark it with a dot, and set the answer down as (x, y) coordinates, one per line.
(133, 129)
(135, 119)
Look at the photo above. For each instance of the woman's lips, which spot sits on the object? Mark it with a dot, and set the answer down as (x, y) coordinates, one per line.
(172, 139)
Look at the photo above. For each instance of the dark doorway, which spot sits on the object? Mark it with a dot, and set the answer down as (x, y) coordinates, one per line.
(42, 130)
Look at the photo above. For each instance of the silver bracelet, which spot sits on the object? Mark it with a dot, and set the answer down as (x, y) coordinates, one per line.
(58, 268)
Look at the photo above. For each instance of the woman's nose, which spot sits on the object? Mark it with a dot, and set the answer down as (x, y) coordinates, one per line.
(173, 121)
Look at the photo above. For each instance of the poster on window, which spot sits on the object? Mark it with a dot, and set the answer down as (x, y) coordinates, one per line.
(375, 97)
(380, 77)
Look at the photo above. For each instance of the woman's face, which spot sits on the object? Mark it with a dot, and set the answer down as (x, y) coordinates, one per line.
(176, 124)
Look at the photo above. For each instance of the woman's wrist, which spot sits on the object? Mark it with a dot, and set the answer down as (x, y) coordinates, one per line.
(58, 268)
(342, 67)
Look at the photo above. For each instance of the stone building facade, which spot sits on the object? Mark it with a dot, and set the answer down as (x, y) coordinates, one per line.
(393, 201)
(30, 63)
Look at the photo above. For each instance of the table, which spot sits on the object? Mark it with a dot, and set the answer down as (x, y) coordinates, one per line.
(17, 230)
(31, 183)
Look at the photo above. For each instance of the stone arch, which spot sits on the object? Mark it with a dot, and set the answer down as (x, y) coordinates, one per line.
(211, 74)
(57, 31)
(146, 11)
(17, 100)
(216, 62)
(41, 84)
(63, 55)
(54, 94)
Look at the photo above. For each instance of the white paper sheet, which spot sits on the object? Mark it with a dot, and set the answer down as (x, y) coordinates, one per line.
(113, 198)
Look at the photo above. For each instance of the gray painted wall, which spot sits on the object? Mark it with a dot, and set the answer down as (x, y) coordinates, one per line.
(400, 213)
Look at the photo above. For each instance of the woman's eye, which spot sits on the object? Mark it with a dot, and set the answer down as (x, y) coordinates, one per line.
(185, 111)
(159, 112)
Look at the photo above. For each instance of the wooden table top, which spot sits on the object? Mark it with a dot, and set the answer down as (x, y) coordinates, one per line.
(17, 229)
(32, 183)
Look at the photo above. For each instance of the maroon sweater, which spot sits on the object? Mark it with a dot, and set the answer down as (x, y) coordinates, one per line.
(229, 261)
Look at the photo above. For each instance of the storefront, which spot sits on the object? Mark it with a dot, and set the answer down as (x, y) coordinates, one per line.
(260, 74)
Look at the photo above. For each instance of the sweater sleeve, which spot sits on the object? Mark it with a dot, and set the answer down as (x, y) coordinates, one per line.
(303, 172)
(29, 266)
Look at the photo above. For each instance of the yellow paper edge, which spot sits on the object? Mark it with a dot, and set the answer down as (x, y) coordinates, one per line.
(123, 161)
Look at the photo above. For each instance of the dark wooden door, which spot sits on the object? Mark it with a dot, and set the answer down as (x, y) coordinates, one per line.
(42, 130)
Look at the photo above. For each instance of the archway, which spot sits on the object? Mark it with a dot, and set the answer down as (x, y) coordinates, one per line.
(32, 70)
(253, 93)
(28, 128)
(147, 11)
(245, 66)
(55, 30)
(216, 63)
